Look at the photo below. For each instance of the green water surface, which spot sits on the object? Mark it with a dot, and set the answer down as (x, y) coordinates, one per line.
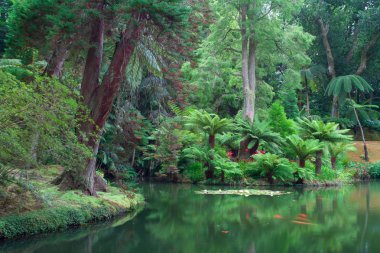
(175, 219)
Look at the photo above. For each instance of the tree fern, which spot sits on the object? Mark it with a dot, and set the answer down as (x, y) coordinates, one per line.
(259, 133)
(303, 148)
(342, 85)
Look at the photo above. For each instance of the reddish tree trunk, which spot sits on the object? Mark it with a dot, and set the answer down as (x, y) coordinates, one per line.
(270, 177)
(254, 149)
(98, 98)
(55, 65)
(243, 146)
(302, 163)
(211, 140)
(102, 98)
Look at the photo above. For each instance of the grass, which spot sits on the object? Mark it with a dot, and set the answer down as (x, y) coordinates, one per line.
(39, 207)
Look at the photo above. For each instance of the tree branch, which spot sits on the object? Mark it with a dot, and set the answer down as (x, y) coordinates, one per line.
(364, 54)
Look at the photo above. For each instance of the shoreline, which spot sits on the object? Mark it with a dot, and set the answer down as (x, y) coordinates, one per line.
(39, 207)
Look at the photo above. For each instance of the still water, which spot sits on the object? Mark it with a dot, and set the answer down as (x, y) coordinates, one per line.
(175, 219)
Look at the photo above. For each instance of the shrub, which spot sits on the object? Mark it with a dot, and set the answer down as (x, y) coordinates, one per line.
(249, 169)
(230, 169)
(346, 175)
(301, 174)
(273, 167)
(195, 171)
(374, 170)
(279, 121)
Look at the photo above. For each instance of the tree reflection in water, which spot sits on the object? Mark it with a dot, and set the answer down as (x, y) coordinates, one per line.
(176, 219)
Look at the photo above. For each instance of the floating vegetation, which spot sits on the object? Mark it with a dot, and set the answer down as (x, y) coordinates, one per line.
(245, 192)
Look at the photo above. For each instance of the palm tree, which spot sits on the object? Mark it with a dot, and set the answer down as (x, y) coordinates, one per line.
(336, 149)
(303, 148)
(259, 132)
(340, 86)
(323, 132)
(365, 112)
(211, 124)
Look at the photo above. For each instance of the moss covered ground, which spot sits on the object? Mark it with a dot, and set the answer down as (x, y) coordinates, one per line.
(38, 206)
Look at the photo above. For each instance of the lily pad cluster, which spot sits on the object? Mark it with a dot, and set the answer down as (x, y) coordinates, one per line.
(243, 192)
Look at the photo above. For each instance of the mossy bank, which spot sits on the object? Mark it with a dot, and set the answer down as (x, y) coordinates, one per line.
(39, 207)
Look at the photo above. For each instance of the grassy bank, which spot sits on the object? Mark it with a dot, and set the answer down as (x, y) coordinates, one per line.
(37, 206)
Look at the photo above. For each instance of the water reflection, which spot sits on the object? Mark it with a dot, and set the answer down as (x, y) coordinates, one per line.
(177, 220)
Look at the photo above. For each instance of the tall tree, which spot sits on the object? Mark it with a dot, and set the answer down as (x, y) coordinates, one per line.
(348, 33)
(160, 21)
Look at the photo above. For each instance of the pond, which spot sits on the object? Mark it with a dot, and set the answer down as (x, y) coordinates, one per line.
(175, 219)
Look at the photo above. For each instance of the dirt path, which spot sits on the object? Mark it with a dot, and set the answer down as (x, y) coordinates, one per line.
(373, 149)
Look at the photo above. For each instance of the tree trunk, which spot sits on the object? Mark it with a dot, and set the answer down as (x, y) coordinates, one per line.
(248, 65)
(133, 157)
(252, 80)
(102, 98)
(211, 140)
(255, 147)
(330, 61)
(302, 163)
(362, 134)
(333, 162)
(98, 98)
(55, 65)
(364, 53)
(270, 177)
(242, 148)
(335, 107)
(318, 162)
(307, 98)
(330, 58)
(209, 173)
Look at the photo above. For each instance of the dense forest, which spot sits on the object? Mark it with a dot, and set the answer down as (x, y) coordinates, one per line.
(183, 90)
(96, 95)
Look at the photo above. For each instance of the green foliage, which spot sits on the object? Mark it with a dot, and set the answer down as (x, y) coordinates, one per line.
(344, 123)
(249, 169)
(302, 148)
(205, 122)
(231, 170)
(340, 148)
(259, 132)
(122, 144)
(366, 112)
(324, 132)
(195, 171)
(374, 170)
(279, 122)
(38, 123)
(304, 174)
(6, 174)
(287, 93)
(342, 85)
(167, 146)
(198, 153)
(77, 210)
(274, 167)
